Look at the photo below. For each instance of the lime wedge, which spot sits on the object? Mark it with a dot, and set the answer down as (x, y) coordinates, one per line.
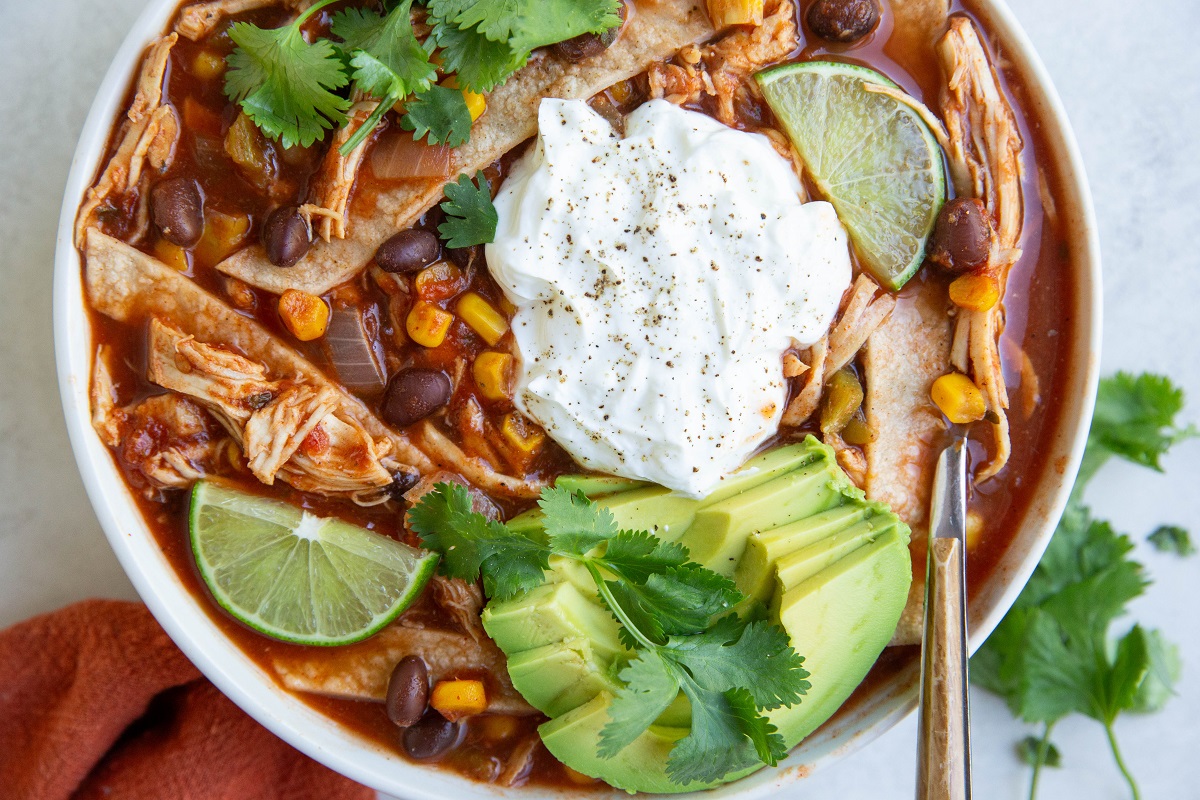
(296, 576)
(869, 154)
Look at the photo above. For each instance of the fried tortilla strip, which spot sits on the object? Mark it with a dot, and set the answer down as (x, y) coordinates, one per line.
(919, 21)
(147, 136)
(903, 357)
(361, 671)
(985, 158)
(656, 30)
(130, 286)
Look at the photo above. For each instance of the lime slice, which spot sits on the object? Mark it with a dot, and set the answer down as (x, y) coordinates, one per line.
(869, 154)
(296, 576)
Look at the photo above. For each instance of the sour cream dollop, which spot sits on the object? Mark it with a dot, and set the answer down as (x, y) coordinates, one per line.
(659, 278)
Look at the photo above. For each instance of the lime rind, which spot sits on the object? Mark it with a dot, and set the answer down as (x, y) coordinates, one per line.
(297, 577)
(871, 156)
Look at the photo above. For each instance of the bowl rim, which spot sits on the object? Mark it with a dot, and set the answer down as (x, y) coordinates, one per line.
(256, 692)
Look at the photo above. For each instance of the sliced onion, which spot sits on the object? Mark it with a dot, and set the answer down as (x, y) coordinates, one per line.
(352, 352)
(397, 157)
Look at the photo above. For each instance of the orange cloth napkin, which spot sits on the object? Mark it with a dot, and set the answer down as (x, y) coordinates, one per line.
(96, 702)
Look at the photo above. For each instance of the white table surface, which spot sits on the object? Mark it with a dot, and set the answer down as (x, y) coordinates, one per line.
(1127, 74)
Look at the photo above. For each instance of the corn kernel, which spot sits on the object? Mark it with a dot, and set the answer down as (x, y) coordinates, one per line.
(208, 65)
(427, 325)
(735, 12)
(958, 398)
(483, 319)
(476, 104)
(458, 698)
(493, 373)
(223, 233)
(172, 255)
(975, 291)
(305, 315)
(498, 727)
(521, 433)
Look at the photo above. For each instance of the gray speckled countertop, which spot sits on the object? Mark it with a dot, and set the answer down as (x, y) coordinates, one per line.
(1126, 73)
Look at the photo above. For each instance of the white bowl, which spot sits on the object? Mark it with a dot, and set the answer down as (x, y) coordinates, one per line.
(189, 625)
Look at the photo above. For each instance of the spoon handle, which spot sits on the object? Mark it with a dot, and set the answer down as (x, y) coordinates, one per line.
(944, 763)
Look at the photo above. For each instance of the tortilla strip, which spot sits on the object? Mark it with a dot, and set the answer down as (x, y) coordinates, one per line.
(130, 286)
(902, 359)
(654, 31)
(361, 671)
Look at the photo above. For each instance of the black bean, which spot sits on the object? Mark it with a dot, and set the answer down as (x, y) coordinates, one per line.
(408, 691)
(401, 482)
(408, 251)
(962, 236)
(587, 45)
(413, 394)
(431, 737)
(178, 210)
(285, 236)
(843, 21)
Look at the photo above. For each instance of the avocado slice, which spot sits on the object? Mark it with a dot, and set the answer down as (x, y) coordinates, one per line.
(594, 486)
(559, 677)
(717, 537)
(755, 572)
(794, 568)
(840, 620)
(550, 614)
(574, 739)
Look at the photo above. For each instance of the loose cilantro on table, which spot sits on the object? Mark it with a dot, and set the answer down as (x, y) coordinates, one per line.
(1052, 654)
(1172, 539)
(284, 84)
(673, 615)
(470, 216)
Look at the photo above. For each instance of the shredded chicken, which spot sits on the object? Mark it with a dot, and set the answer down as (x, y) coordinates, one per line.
(985, 158)
(476, 470)
(519, 763)
(147, 136)
(286, 428)
(329, 191)
(168, 439)
(864, 311)
(200, 19)
(723, 68)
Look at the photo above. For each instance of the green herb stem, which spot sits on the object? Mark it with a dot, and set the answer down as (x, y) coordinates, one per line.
(314, 8)
(619, 612)
(1116, 751)
(368, 125)
(1042, 750)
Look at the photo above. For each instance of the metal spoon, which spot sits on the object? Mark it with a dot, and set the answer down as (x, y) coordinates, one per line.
(944, 747)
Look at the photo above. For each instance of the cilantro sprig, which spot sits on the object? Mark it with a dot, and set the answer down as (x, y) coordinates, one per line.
(470, 216)
(1053, 654)
(294, 90)
(674, 616)
(283, 83)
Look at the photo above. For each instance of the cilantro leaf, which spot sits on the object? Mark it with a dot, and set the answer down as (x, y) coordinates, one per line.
(470, 216)
(529, 24)
(574, 525)
(1134, 419)
(479, 63)
(1030, 751)
(650, 686)
(1172, 539)
(723, 739)
(638, 554)
(283, 83)
(472, 544)
(440, 113)
(757, 657)
(1164, 672)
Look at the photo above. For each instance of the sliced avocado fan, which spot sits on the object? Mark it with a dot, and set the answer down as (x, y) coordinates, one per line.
(795, 535)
